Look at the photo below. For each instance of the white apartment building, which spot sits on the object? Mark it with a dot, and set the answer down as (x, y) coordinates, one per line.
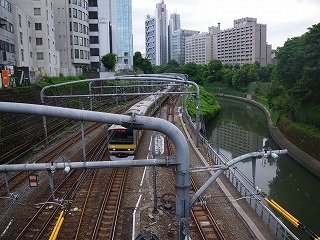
(72, 35)
(199, 48)
(24, 41)
(244, 43)
(35, 44)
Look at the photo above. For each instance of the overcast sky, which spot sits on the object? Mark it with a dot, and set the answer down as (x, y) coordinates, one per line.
(284, 18)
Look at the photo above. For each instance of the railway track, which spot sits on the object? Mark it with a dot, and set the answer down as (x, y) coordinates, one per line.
(91, 205)
(17, 179)
(85, 190)
(41, 224)
(202, 222)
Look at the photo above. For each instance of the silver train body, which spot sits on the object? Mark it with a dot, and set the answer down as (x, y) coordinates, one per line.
(124, 141)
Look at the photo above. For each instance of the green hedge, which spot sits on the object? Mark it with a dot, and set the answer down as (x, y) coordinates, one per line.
(209, 106)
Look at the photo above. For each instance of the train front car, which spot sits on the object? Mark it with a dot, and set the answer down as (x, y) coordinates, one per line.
(122, 143)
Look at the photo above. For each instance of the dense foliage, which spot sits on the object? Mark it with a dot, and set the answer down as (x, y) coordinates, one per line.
(296, 82)
(209, 106)
(109, 61)
(141, 64)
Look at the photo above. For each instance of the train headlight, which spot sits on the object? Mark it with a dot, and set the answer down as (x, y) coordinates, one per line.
(113, 149)
(129, 149)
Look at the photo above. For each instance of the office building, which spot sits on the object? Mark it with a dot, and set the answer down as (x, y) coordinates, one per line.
(110, 31)
(72, 35)
(150, 35)
(35, 37)
(174, 25)
(244, 43)
(178, 44)
(161, 34)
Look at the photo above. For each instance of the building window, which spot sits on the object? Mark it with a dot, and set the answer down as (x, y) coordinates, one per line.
(39, 41)
(81, 54)
(93, 3)
(40, 55)
(75, 40)
(19, 20)
(38, 26)
(49, 43)
(93, 27)
(80, 14)
(37, 11)
(75, 26)
(74, 13)
(93, 15)
(76, 53)
(94, 39)
(31, 55)
(21, 38)
(22, 55)
(81, 41)
(94, 51)
(29, 24)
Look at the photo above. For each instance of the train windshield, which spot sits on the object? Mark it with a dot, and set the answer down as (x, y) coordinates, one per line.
(122, 136)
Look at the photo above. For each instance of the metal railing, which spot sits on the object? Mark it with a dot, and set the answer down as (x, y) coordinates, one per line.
(253, 199)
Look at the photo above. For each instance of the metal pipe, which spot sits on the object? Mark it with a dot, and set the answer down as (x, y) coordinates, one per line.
(182, 179)
(229, 164)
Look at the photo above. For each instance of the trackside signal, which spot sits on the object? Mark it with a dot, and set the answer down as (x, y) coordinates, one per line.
(33, 180)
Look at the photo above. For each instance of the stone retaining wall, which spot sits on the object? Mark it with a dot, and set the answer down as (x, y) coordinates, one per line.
(310, 163)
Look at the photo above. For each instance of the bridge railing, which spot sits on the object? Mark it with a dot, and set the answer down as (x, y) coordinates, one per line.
(254, 200)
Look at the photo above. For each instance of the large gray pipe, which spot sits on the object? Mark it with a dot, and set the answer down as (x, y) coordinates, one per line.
(182, 179)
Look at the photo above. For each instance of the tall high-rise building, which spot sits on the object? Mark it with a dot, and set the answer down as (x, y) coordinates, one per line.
(174, 25)
(244, 43)
(150, 34)
(161, 33)
(178, 50)
(124, 34)
(110, 30)
(72, 35)
(35, 37)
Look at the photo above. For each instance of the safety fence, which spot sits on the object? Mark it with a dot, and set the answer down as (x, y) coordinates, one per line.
(254, 200)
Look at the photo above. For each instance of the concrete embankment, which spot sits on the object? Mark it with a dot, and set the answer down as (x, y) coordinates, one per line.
(310, 163)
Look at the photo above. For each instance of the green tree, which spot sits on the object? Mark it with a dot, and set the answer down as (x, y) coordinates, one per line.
(214, 70)
(142, 64)
(194, 72)
(109, 61)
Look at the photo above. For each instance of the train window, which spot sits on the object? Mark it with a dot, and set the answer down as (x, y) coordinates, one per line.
(122, 136)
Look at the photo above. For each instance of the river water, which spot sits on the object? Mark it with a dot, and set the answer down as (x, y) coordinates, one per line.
(241, 128)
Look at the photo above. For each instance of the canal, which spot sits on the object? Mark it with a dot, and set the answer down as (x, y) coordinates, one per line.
(241, 128)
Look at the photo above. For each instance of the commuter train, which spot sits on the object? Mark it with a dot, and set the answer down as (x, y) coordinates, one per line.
(124, 141)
